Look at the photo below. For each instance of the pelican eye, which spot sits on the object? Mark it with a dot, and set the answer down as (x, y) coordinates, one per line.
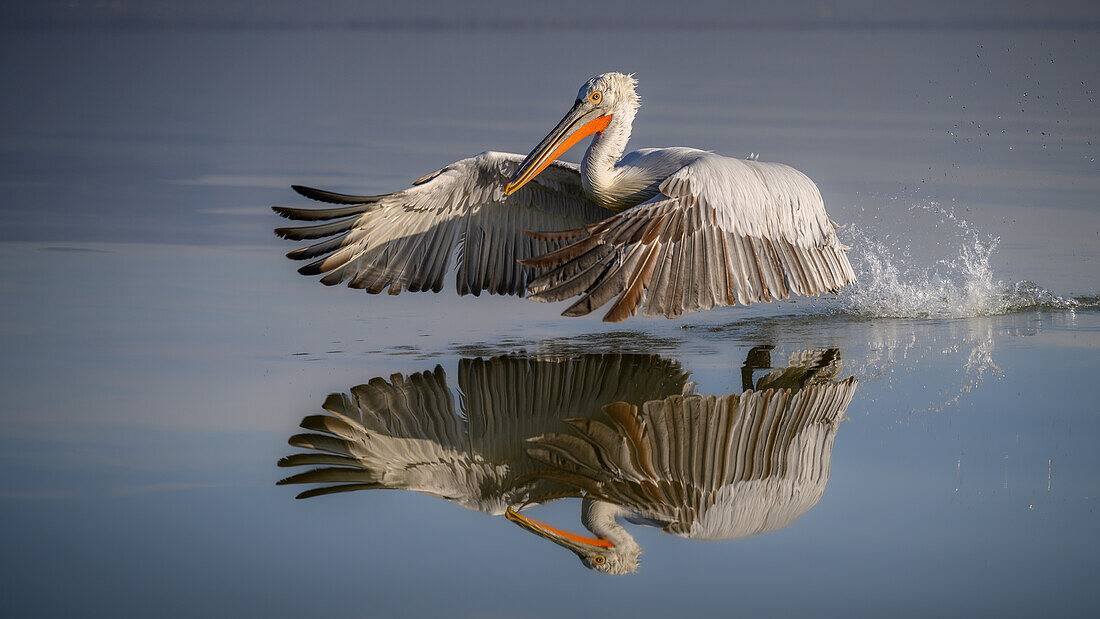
(595, 97)
(598, 559)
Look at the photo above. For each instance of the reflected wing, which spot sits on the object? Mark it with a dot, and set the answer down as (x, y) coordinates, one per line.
(406, 434)
(722, 231)
(404, 240)
(385, 434)
(706, 467)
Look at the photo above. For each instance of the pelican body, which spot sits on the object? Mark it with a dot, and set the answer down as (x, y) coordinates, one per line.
(665, 230)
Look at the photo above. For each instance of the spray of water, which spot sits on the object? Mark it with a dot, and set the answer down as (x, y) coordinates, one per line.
(892, 283)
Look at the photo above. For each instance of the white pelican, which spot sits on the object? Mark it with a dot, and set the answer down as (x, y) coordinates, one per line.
(673, 229)
(406, 433)
(707, 468)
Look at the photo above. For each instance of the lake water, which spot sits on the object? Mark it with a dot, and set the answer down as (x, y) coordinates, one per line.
(158, 351)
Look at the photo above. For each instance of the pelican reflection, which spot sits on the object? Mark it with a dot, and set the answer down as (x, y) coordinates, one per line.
(623, 432)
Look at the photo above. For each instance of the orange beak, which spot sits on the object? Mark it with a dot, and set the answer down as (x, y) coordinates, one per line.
(572, 541)
(578, 124)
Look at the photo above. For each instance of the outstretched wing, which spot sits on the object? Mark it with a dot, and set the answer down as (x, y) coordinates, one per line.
(407, 434)
(722, 231)
(404, 240)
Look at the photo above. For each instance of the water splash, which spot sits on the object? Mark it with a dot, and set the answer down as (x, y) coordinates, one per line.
(890, 284)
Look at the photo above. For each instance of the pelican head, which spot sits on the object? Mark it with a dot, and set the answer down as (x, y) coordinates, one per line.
(598, 101)
(596, 553)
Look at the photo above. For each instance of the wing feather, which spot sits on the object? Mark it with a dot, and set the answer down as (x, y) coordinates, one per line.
(569, 270)
(318, 231)
(333, 198)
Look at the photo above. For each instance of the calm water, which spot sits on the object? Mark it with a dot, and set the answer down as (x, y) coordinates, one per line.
(158, 352)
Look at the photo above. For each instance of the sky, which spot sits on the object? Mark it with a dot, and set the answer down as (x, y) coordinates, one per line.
(438, 13)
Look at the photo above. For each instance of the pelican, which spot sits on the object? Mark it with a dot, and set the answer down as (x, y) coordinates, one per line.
(406, 432)
(667, 230)
(699, 467)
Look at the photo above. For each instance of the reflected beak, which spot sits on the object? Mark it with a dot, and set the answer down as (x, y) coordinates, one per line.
(578, 124)
(581, 545)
